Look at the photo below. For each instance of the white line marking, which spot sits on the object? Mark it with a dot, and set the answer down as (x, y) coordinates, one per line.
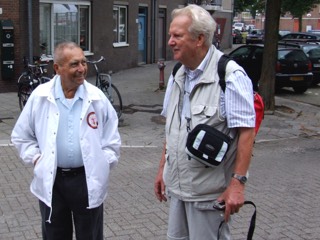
(137, 146)
(6, 145)
(275, 139)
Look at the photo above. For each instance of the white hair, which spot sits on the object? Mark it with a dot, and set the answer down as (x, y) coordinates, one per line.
(202, 21)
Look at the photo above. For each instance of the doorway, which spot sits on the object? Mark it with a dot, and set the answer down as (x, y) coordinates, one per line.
(162, 43)
(142, 35)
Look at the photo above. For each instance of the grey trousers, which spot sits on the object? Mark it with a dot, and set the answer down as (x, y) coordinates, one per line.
(191, 221)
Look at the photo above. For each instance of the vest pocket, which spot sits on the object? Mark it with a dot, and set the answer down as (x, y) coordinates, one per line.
(206, 180)
(201, 113)
(170, 119)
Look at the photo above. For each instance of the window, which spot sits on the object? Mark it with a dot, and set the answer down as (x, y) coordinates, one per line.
(64, 21)
(120, 26)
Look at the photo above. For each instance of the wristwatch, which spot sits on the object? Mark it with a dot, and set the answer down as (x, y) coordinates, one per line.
(242, 179)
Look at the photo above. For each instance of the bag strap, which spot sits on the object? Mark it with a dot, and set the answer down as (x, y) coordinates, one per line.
(252, 222)
(176, 68)
(222, 64)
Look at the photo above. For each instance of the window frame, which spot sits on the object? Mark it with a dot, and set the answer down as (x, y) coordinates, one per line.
(80, 5)
(119, 43)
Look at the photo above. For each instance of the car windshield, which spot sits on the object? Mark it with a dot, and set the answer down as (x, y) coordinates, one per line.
(243, 52)
(255, 31)
(292, 55)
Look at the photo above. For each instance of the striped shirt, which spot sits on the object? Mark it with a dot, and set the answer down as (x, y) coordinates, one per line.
(236, 104)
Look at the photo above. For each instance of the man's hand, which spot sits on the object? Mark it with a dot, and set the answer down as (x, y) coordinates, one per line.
(36, 161)
(159, 187)
(233, 197)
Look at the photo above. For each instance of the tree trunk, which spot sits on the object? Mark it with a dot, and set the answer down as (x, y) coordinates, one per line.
(267, 78)
(300, 23)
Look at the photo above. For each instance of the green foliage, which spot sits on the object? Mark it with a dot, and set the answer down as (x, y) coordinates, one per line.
(297, 8)
(242, 5)
(254, 6)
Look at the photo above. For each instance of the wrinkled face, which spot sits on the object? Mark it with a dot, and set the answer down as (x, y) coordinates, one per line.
(182, 43)
(73, 68)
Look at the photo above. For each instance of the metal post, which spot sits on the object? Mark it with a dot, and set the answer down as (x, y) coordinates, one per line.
(30, 37)
(161, 66)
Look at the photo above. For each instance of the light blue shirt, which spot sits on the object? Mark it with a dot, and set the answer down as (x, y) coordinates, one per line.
(68, 142)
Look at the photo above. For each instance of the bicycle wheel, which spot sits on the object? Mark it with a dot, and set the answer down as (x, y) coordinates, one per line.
(114, 97)
(24, 90)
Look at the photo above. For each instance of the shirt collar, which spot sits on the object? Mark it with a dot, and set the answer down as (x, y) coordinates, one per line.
(194, 74)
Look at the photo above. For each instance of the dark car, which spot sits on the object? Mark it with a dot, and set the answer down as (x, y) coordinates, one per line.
(255, 36)
(312, 51)
(236, 36)
(293, 68)
(283, 32)
(314, 31)
(301, 37)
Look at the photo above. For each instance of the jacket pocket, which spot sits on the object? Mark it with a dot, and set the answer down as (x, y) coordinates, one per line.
(38, 168)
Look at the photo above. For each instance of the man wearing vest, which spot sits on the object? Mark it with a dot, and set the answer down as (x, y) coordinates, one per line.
(193, 97)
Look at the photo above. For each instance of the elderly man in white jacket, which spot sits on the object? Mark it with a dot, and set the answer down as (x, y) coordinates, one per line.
(68, 131)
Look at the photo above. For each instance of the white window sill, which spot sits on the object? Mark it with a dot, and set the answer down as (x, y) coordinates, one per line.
(120, 45)
(50, 57)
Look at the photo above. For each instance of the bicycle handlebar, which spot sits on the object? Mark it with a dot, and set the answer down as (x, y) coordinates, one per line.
(37, 65)
(96, 61)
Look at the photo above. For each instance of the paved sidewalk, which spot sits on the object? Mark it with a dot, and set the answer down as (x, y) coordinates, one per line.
(131, 210)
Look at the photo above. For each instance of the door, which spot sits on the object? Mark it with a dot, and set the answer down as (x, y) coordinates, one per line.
(142, 43)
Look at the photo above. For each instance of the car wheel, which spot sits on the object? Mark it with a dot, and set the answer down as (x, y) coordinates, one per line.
(300, 89)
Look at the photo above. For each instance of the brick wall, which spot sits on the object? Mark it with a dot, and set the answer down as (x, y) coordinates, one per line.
(10, 10)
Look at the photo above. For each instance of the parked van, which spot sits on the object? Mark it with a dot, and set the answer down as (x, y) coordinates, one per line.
(240, 26)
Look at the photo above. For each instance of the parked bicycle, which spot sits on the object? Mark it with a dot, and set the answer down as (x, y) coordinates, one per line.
(104, 82)
(31, 78)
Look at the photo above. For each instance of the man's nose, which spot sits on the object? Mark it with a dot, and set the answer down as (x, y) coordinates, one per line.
(82, 67)
(170, 41)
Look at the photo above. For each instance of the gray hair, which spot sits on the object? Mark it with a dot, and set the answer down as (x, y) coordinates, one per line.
(202, 21)
(58, 56)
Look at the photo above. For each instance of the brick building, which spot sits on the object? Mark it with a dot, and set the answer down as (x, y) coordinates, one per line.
(126, 33)
(310, 21)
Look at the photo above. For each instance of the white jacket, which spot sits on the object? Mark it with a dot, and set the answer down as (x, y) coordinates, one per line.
(35, 135)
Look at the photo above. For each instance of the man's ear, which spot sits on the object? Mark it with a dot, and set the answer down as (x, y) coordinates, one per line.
(56, 68)
(201, 40)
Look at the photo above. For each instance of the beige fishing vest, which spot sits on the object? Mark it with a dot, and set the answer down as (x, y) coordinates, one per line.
(187, 178)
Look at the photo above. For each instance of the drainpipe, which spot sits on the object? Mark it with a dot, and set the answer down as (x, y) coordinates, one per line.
(30, 42)
(153, 30)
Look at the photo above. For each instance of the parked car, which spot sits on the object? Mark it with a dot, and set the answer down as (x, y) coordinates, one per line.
(293, 68)
(249, 27)
(255, 36)
(239, 26)
(236, 36)
(283, 32)
(312, 50)
(301, 37)
(314, 31)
